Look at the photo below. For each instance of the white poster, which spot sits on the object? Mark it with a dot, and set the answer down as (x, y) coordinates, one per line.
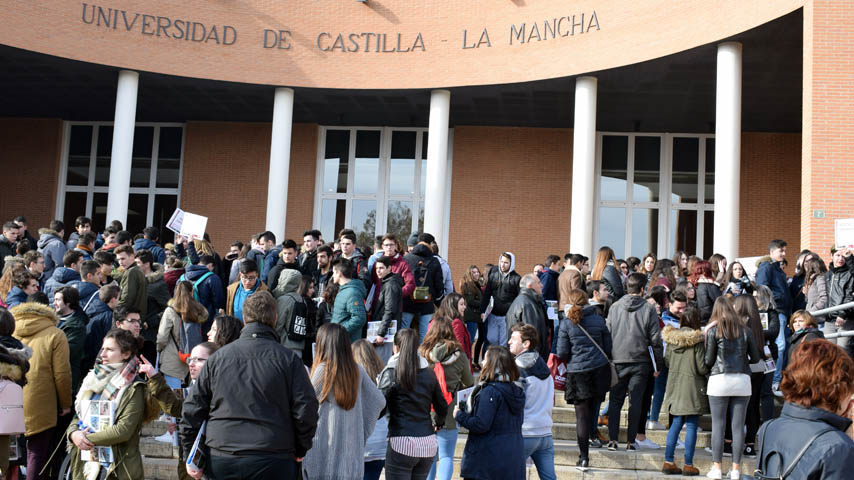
(193, 226)
(176, 220)
(843, 229)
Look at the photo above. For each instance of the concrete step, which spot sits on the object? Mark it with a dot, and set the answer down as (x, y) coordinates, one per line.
(567, 431)
(571, 473)
(160, 468)
(566, 454)
(149, 447)
(567, 415)
(155, 428)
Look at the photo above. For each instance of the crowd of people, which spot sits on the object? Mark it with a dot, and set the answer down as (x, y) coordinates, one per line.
(343, 361)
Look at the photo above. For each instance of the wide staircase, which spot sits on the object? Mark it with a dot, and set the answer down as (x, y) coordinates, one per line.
(161, 459)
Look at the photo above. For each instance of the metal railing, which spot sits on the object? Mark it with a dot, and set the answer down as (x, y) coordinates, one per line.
(825, 311)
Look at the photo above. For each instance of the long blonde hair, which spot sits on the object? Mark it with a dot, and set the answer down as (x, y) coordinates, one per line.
(468, 285)
(366, 355)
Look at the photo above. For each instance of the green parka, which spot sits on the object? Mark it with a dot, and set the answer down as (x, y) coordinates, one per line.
(123, 436)
(686, 380)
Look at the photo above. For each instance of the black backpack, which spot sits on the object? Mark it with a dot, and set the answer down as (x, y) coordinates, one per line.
(297, 328)
(763, 457)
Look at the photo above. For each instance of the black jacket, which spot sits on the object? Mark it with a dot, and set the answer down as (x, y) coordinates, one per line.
(707, 293)
(389, 304)
(829, 457)
(574, 347)
(308, 262)
(503, 288)
(528, 307)
(273, 275)
(840, 288)
(730, 356)
(432, 278)
(7, 249)
(409, 412)
(613, 283)
(802, 336)
(257, 399)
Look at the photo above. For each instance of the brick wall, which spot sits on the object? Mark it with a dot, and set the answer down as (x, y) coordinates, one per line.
(30, 154)
(510, 191)
(225, 178)
(827, 182)
(770, 193)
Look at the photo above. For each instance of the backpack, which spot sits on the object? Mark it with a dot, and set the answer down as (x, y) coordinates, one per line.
(764, 457)
(190, 335)
(196, 284)
(297, 328)
(421, 293)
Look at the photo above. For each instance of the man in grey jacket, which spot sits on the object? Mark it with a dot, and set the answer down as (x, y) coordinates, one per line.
(528, 307)
(634, 329)
(291, 324)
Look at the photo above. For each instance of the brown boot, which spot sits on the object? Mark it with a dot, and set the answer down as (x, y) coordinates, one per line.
(690, 471)
(670, 468)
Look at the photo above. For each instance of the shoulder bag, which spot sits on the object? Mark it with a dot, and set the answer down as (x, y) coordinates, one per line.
(614, 378)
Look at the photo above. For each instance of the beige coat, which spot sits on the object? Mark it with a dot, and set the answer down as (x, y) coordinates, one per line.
(48, 386)
(569, 280)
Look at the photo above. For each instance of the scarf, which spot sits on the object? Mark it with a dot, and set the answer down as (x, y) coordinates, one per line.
(106, 380)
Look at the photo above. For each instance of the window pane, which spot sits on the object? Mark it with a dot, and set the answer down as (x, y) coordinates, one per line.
(683, 231)
(686, 164)
(421, 216)
(708, 233)
(336, 161)
(403, 144)
(140, 173)
(647, 167)
(137, 210)
(614, 164)
(75, 206)
(169, 157)
(164, 205)
(644, 231)
(364, 221)
(99, 212)
(399, 219)
(424, 145)
(710, 172)
(423, 177)
(365, 175)
(612, 229)
(102, 162)
(401, 178)
(332, 217)
(79, 148)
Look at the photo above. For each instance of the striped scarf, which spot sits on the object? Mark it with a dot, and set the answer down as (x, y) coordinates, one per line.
(106, 380)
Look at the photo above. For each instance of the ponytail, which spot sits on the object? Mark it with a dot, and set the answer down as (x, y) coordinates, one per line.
(577, 301)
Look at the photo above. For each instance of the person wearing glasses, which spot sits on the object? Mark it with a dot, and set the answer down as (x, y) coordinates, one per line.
(248, 283)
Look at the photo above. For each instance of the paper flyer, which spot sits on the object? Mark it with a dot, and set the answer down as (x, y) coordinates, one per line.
(176, 220)
(464, 394)
(374, 328)
(100, 416)
(193, 226)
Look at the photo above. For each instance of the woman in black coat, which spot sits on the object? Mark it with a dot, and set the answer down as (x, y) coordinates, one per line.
(707, 291)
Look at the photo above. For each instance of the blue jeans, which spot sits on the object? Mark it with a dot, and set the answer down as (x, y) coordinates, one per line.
(658, 395)
(172, 382)
(781, 347)
(423, 323)
(690, 437)
(472, 328)
(447, 443)
(542, 452)
(374, 469)
(497, 330)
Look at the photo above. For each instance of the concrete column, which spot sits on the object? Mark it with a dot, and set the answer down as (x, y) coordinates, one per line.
(583, 167)
(280, 162)
(727, 149)
(122, 152)
(437, 164)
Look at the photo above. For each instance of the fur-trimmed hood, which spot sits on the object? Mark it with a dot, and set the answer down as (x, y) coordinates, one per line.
(46, 235)
(156, 273)
(442, 354)
(682, 337)
(31, 318)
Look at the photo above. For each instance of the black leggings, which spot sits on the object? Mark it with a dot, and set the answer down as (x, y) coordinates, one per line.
(584, 416)
(480, 343)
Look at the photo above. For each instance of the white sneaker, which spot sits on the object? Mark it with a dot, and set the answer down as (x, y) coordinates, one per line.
(714, 473)
(680, 445)
(734, 475)
(775, 389)
(165, 438)
(648, 444)
(654, 425)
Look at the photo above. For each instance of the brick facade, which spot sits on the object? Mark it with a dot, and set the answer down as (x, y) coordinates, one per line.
(827, 183)
(30, 151)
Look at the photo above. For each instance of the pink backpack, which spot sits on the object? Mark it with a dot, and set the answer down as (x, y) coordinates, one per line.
(11, 408)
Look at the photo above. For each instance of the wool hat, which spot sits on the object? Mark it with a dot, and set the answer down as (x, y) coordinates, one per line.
(413, 240)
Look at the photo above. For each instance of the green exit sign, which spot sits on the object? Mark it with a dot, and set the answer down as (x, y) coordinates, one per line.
(818, 214)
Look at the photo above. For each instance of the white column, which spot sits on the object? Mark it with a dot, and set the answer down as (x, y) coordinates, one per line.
(437, 164)
(583, 167)
(280, 161)
(122, 152)
(727, 149)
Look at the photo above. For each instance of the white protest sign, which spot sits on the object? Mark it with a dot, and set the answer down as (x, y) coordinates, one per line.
(176, 220)
(193, 226)
(843, 233)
